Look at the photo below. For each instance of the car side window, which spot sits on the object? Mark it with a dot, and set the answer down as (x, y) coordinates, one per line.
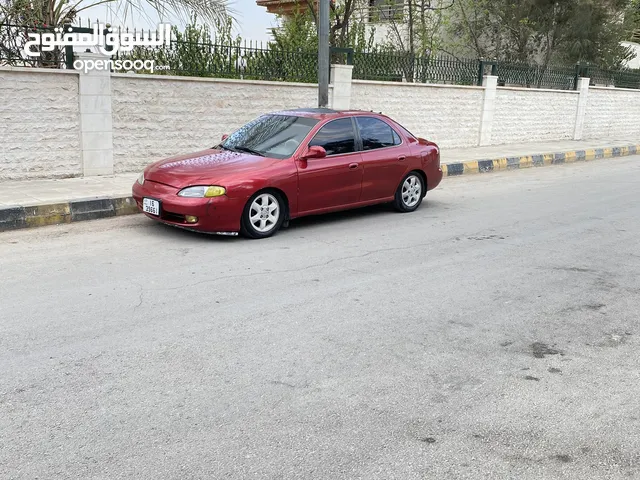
(336, 137)
(376, 134)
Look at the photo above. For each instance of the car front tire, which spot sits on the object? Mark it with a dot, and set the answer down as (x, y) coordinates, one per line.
(263, 215)
(410, 193)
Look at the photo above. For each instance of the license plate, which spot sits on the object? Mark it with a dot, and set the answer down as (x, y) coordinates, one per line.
(151, 206)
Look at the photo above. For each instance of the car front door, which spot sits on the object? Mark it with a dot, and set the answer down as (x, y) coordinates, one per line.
(333, 181)
(384, 158)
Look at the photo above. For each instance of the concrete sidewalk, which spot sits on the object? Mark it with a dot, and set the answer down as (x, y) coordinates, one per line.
(43, 192)
(456, 155)
(459, 161)
(32, 203)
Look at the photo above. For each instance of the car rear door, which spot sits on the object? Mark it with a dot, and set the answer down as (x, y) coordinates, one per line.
(335, 180)
(384, 157)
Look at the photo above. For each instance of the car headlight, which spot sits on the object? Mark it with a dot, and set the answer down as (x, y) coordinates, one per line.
(141, 179)
(202, 192)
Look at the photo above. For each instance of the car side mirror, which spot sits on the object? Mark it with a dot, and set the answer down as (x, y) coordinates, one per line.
(224, 137)
(315, 152)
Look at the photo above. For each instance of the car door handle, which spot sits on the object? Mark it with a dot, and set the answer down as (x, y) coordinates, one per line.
(401, 157)
(353, 165)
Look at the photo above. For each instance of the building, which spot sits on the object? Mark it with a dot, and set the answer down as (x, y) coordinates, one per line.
(286, 8)
(378, 15)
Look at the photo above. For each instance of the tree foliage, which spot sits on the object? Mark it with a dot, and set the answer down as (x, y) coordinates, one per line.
(413, 26)
(632, 19)
(346, 29)
(542, 31)
(20, 16)
(60, 12)
(199, 50)
(297, 32)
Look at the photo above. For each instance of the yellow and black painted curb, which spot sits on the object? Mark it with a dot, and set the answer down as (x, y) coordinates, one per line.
(12, 218)
(540, 160)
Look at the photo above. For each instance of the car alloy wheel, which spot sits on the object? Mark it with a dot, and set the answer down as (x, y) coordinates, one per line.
(263, 215)
(410, 193)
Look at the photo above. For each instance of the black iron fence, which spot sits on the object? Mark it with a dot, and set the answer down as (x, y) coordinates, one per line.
(16, 42)
(243, 61)
(623, 78)
(270, 62)
(412, 68)
(535, 76)
(26, 46)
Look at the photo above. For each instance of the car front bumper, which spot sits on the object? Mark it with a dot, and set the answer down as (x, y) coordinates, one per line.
(214, 215)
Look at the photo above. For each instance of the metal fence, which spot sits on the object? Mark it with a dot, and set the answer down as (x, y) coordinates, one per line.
(269, 62)
(411, 68)
(624, 78)
(13, 40)
(16, 41)
(534, 76)
(229, 61)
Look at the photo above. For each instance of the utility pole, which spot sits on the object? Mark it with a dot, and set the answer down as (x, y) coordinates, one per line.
(323, 54)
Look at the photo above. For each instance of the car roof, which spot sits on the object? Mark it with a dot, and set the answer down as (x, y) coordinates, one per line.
(322, 113)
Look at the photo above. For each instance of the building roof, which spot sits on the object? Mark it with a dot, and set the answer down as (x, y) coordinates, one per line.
(284, 7)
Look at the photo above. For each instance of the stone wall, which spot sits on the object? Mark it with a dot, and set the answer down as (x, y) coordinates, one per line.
(449, 116)
(526, 115)
(155, 117)
(61, 123)
(39, 124)
(612, 113)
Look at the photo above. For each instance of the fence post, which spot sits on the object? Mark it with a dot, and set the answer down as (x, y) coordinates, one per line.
(490, 84)
(341, 86)
(583, 89)
(96, 123)
(68, 57)
(480, 72)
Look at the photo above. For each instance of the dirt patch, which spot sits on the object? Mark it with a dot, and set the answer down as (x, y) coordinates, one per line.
(541, 350)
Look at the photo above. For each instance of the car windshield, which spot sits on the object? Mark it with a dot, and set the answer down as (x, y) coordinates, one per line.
(276, 136)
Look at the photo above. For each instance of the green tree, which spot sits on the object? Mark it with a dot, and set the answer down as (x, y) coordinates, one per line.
(26, 15)
(60, 12)
(299, 31)
(199, 51)
(632, 21)
(414, 26)
(541, 31)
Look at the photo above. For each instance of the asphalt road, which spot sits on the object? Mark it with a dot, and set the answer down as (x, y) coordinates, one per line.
(492, 334)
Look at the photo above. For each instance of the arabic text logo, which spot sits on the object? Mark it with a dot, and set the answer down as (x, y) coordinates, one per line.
(107, 43)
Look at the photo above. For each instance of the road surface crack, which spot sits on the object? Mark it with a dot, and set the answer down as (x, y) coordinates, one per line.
(293, 270)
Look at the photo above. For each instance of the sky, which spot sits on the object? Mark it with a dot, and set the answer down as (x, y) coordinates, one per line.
(252, 21)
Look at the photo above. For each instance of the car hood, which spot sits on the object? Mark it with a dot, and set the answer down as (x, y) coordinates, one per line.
(204, 167)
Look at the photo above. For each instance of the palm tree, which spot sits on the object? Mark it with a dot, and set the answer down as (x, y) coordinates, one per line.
(18, 17)
(61, 12)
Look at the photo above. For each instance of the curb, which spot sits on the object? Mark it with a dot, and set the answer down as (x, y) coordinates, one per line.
(538, 160)
(13, 218)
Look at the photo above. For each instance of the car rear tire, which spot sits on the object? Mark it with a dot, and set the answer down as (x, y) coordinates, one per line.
(263, 215)
(410, 193)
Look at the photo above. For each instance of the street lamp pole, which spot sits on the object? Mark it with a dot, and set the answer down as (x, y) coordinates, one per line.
(323, 54)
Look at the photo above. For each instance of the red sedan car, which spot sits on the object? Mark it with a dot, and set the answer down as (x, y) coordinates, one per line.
(290, 164)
